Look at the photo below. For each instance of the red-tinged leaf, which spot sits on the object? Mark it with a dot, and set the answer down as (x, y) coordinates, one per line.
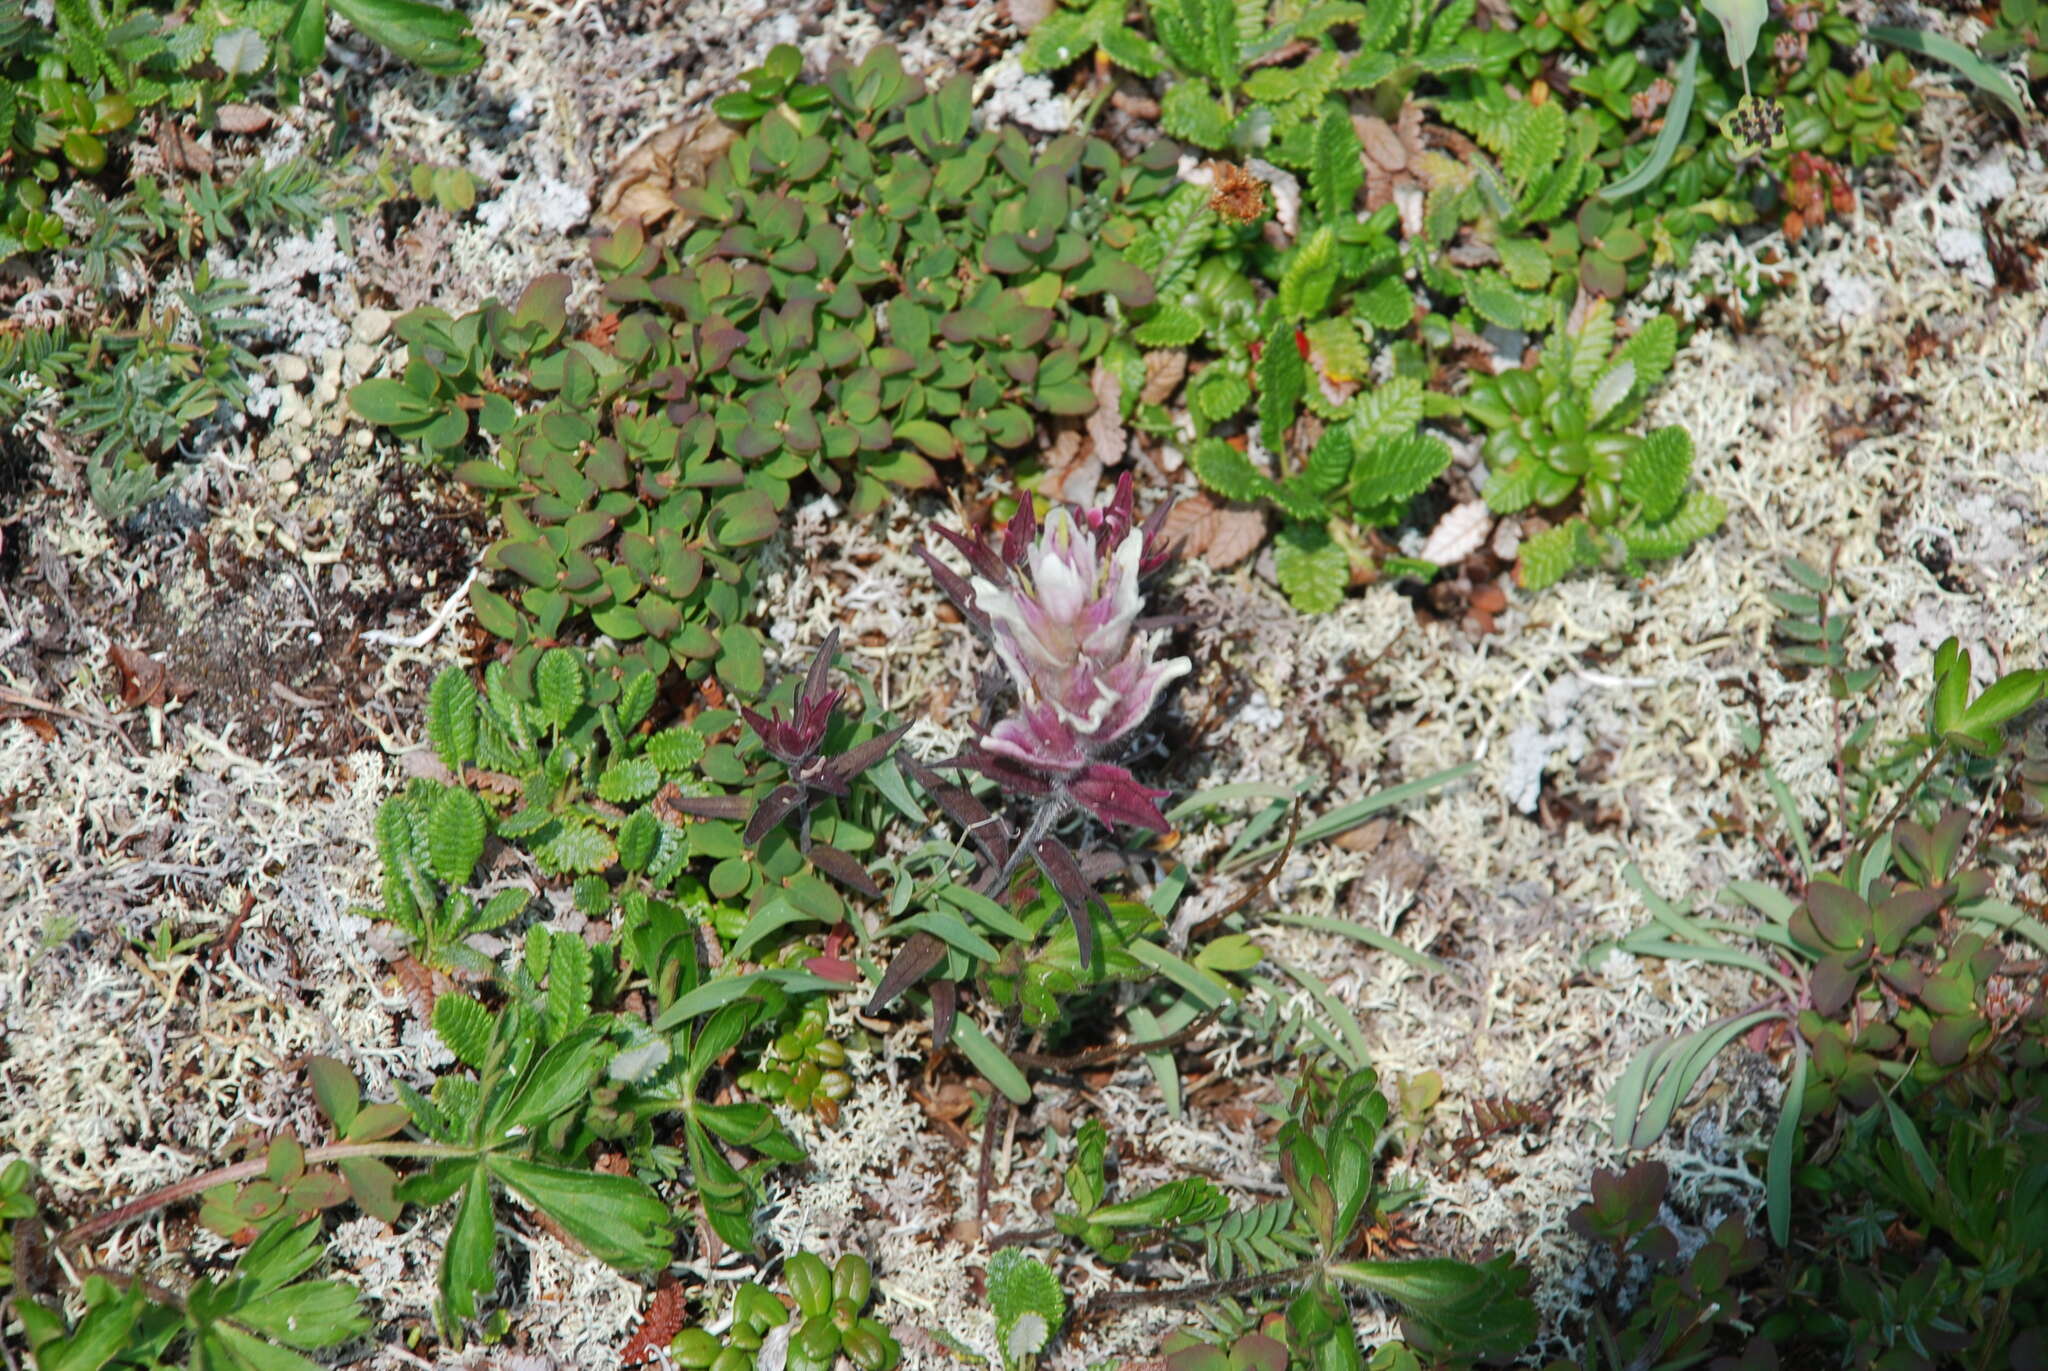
(989, 832)
(772, 811)
(1834, 983)
(855, 760)
(955, 588)
(1114, 796)
(374, 1186)
(844, 869)
(732, 807)
(833, 969)
(1949, 1041)
(1064, 872)
(945, 1004)
(375, 1122)
(919, 955)
(1895, 919)
(335, 1090)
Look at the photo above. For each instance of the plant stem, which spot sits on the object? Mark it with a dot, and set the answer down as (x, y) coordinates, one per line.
(242, 1171)
(1206, 1290)
(1906, 798)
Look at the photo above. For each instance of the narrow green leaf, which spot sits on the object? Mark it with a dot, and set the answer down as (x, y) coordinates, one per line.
(1973, 68)
(1784, 1149)
(1669, 138)
(466, 1261)
(990, 1060)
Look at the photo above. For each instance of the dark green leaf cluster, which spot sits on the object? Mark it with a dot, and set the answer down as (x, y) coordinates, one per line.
(1692, 1306)
(1889, 976)
(68, 90)
(2021, 29)
(829, 1306)
(869, 291)
(260, 1316)
(1329, 1145)
(1560, 432)
(804, 1068)
(1528, 194)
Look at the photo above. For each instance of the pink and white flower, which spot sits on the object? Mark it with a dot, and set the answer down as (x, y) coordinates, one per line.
(1062, 605)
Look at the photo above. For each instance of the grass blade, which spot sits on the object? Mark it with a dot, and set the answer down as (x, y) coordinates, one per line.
(1968, 65)
(1784, 1144)
(1353, 814)
(1371, 937)
(1668, 138)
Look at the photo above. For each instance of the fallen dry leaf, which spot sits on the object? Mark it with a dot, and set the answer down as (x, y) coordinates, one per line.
(144, 681)
(1106, 424)
(1027, 14)
(1460, 533)
(35, 723)
(664, 1318)
(1238, 196)
(182, 153)
(1069, 474)
(1164, 371)
(1221, 535)
(241, 118)
(643, 185)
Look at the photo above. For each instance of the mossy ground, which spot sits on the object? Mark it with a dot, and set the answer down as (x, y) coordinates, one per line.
(1888, 406)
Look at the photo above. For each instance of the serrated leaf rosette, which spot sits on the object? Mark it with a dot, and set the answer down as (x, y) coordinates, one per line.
(1061, 604)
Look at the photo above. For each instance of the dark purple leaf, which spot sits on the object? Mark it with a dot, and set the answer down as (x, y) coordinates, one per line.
(1158, 552)
(979, 555)
(1064, 872)
(772, 811)
(814, 679)
(919, 954)
(1114, 796)
(945, 1003)
(712, 806)
(1012, 776)
(955, 588)
(1018, 536)
(855, 760)
(989, 832)
(843, 869)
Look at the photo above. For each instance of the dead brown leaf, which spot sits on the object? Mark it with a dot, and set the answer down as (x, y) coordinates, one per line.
(37, 724)
(643, 185)
(144, 680)
(1164, 371)
(1027, 14)
(1238, 196)
(242, 119)
(1221, 535)
(1106, 424)
(182, 153)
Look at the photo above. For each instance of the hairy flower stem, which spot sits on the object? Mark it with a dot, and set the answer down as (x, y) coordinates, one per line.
(1050, 811)
(242, 1171)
